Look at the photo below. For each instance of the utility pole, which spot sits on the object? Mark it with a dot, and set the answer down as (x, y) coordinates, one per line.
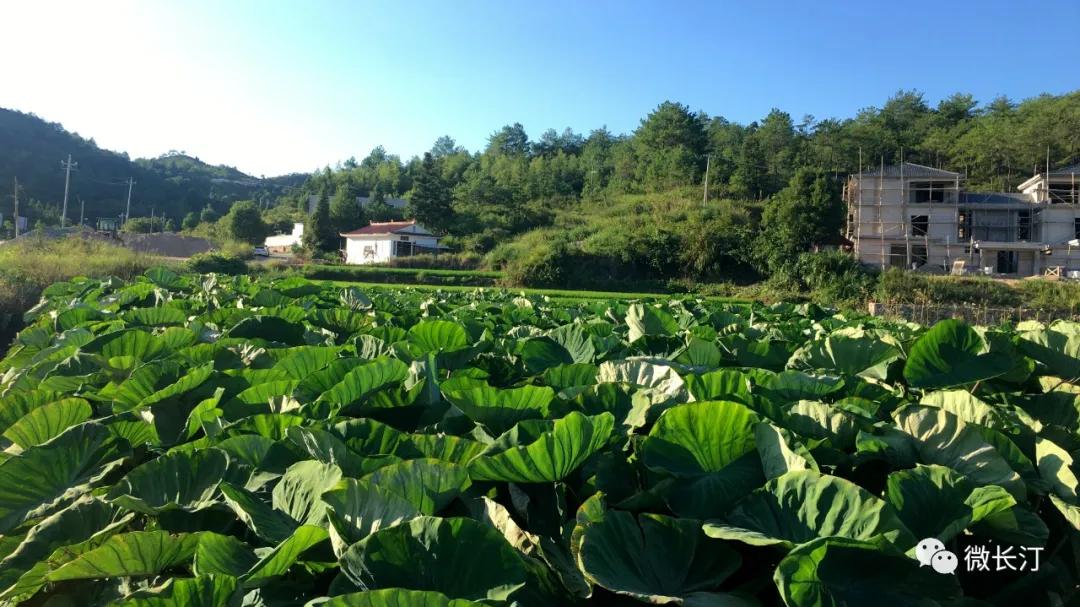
(16, 207)
(82, 207)
(705, 194)
(131, 184)
(67, 166)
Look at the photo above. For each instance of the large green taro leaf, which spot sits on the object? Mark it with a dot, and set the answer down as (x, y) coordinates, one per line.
(364, 380)
(653, 558)
(840, 572)
(699, 438)
(712, 495)
(576, 341)
(1057, 347)
(935, 501)
(804, 505)
(202, 591)
(224, 554)
(357, 508)
(1056, 466)
(722, 384)
(429, 485)
(266, 522)
(270, 328)
(61, 468)
(846, 355)
(942, 438)
(644, 319)
(458, 557)
(437, 336)
(48, 421)
(397, 597)
(951, 354)
(73, 525)
(137, 553)
(299, 492)
(555, 450)
(172, 481)
(541, 353)
(499, 410)
(140, 345)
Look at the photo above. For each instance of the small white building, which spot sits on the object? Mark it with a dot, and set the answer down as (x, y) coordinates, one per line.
(381, 242)
(283, 243)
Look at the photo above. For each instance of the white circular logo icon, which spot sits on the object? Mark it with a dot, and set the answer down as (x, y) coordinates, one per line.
(931, 552)
(944, 561)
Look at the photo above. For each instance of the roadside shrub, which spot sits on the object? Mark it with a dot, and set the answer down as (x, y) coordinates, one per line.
(218, 263)
(237, 249)
(550, 266)
(834, 278)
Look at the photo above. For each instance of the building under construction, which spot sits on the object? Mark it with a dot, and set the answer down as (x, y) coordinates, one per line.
(918, 217)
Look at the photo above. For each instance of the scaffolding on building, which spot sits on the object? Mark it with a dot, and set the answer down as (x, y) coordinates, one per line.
(971, 218)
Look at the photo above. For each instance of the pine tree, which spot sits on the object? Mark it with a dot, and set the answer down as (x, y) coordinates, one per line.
(345, 211)
(429, 203)
(319, 234)
(377, 207)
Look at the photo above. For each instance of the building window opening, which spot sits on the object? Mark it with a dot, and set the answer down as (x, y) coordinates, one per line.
(918, 256)
(1023, 225)
(920, 225)
(927, 191)
(897, 256)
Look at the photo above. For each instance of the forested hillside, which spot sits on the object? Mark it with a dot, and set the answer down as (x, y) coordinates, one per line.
(626, 206)
(629, 205)
(31, 150)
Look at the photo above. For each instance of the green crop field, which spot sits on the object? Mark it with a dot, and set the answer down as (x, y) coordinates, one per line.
(560, 294)
(215, 441)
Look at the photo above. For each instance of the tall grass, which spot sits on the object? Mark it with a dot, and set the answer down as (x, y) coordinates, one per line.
(30, 264)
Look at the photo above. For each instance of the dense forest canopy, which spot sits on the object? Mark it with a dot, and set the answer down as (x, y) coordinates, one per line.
(518, 183)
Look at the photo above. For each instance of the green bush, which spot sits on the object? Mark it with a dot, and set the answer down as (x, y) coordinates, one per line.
(835, 278)
(237, 249)
(217, 263)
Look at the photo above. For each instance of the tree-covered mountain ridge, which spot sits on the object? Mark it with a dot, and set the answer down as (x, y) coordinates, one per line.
(173, 184)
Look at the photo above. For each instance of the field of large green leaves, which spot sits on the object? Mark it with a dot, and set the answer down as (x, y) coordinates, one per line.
(234, 441)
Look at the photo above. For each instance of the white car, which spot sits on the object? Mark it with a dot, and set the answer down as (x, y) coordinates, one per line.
(261, 252)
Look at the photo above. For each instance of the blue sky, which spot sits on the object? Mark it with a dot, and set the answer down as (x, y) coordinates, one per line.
(276, 86)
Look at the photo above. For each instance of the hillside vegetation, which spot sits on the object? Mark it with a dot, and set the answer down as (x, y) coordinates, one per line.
(172, 185)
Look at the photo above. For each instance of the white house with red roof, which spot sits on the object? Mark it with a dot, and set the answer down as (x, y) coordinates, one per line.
(380, 242)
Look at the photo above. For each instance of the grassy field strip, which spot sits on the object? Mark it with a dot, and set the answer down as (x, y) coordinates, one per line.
(563, 294)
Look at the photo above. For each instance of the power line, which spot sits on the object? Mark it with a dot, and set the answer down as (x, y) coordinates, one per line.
(16, 207)
(67, 166)
(131, 185)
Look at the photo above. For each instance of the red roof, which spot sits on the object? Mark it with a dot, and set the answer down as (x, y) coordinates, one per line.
(385, 227)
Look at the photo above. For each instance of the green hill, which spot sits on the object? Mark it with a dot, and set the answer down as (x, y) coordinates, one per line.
(173, 184)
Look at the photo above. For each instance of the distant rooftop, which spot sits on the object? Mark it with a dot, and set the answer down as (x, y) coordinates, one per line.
(910, 169)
